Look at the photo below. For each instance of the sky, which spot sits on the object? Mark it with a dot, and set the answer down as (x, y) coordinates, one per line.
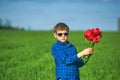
(77, 14)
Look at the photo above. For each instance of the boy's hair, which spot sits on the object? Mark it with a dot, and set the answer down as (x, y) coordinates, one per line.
(61, 26)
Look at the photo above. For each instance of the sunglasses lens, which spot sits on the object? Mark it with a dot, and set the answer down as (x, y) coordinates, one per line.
(66, 34)
(59, 34)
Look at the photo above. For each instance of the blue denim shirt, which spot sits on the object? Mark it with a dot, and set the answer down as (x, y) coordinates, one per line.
(66, 61)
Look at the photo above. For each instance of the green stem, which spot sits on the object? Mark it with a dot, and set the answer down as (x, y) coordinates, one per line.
(90, 44)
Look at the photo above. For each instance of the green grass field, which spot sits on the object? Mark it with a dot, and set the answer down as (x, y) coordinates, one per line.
(26, 55)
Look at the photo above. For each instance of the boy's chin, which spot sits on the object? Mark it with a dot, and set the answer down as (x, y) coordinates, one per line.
(63, 40)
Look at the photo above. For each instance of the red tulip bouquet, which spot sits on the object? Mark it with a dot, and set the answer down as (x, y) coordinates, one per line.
(92, 36)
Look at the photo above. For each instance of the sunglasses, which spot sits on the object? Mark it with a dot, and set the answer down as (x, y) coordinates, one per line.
(60, 34)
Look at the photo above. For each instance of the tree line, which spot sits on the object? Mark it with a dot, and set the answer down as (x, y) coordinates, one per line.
(6, 25)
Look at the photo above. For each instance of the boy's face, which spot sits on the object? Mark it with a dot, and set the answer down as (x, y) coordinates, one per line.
(61, 35)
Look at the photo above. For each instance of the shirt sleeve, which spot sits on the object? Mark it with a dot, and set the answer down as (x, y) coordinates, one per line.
(80, 62)
(61, 56)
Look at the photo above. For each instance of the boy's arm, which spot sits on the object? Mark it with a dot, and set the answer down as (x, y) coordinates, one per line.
(86, 51)
(82, 61)
(78, 57)
(60, 56)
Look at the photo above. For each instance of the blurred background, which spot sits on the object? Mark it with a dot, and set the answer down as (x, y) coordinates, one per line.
(44, 14)
(25, 49)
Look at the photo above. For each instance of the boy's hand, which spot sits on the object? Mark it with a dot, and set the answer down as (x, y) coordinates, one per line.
(86, 51)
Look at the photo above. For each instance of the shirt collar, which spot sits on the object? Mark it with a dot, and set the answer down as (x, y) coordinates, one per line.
(62, 43)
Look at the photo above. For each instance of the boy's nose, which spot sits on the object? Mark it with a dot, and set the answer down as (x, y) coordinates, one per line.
(63, 35)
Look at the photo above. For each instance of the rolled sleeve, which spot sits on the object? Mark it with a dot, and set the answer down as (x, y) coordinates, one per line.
(80, 62)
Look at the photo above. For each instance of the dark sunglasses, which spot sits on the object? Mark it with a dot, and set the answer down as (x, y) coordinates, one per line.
(60, 34)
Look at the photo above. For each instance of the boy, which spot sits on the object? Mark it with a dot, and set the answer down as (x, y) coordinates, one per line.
(67, 60)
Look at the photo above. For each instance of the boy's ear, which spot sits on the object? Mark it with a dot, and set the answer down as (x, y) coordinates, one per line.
(55, 35)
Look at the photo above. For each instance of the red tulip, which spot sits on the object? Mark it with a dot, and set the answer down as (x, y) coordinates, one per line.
(93, 35)
(88, 34)
(95, 40)
(96, 31)
(98, 36)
